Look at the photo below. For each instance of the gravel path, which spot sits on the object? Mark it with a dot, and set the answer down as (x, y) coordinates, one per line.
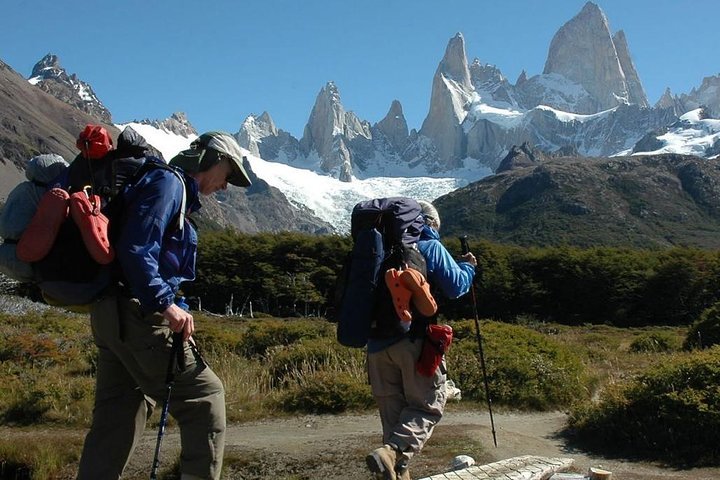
(334, 446)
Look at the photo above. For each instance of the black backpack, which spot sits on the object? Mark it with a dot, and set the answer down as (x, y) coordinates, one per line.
(385, 232)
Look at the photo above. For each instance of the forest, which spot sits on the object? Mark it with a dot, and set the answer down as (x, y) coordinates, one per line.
(293, 274)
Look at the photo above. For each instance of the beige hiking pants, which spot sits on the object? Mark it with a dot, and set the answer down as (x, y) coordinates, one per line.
(410, 404)
(134, 353)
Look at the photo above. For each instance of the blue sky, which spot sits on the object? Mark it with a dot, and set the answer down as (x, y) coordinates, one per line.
(221, 60)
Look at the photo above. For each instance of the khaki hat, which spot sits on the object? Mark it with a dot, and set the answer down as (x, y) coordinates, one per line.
(204, 153)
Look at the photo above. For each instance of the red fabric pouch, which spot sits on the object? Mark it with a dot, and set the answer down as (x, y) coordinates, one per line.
(437, 342)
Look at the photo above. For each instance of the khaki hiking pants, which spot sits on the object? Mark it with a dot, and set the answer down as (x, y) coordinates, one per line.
(134, 353)
(410, 404)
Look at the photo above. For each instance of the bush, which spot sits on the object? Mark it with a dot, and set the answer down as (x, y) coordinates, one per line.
(705, 332)
(263, 334)
(326, 392)
(670, 413)
(654, 342)
(525, 369)
(314, 353)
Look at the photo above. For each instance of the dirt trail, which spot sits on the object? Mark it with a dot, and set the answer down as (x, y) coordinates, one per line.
(334, 447)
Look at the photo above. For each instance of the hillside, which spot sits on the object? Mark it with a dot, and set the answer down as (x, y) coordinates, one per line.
(640, 201)
(33, 122)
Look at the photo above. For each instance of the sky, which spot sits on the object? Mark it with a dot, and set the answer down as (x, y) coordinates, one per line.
(222, 60)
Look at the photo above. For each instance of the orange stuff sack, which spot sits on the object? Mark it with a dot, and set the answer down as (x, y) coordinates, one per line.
(93, 225)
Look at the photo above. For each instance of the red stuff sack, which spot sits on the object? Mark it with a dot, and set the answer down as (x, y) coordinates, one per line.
(94, 142)
(437, 342)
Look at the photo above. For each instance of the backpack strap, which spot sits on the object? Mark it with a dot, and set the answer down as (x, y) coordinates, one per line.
(152, 163)
(183, 202)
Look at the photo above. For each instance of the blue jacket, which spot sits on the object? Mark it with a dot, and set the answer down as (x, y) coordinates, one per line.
(154, 254)
(452, 278)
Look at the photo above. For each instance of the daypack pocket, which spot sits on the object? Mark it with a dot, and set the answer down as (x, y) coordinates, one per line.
(436, 343)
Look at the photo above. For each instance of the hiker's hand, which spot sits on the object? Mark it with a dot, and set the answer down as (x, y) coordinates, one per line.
(470, 258)
(179, 320)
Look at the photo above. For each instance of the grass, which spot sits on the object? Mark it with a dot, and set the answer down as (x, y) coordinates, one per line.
(275, 367)
(32, 453)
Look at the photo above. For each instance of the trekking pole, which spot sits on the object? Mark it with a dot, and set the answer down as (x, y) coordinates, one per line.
(478, 335)
(175, 351)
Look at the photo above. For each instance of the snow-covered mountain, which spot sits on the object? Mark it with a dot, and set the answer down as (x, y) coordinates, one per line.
(693, 134)
(326, 197)
(589, 99)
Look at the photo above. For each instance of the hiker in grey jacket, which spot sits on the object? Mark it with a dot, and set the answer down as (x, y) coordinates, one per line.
(411, 404)
(134, 322)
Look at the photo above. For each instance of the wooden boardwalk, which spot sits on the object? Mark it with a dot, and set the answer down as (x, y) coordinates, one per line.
(528, 467)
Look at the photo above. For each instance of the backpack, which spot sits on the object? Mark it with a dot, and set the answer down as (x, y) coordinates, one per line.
(20, 206)
(74, 261)
(385, 233)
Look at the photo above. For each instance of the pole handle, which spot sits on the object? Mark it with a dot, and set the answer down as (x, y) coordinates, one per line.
(464, 247)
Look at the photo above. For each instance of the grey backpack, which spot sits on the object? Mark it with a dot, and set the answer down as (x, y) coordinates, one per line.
(19, 209)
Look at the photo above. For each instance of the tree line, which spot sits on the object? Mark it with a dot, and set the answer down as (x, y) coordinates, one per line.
(294, 274)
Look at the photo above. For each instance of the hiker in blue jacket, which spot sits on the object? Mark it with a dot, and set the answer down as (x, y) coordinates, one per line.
(411, 404)
(133, 323)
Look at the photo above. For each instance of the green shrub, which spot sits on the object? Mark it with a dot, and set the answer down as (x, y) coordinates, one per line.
(326, 392)
(525, 369)
(705, 332)
(670, 413)
(654, 342)
(263, 334)
(313, 353)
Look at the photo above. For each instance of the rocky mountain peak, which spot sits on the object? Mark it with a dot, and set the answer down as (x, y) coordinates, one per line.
(636, 92)
(522, 78)
(583, 51)
(49, 65)
(328, 130)
(266, 119)
(454, 64)
(524, 155)
(48, 75)
(253, 130)
(491, 85)
(394, 126)
(707, 95)
(176, 123)
(451, 94)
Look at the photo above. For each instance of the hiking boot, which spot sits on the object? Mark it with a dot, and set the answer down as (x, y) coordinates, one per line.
(381, 462)
(403, 473)
(421, 297)
(39, 236)
(400, 296)
(93, 225)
